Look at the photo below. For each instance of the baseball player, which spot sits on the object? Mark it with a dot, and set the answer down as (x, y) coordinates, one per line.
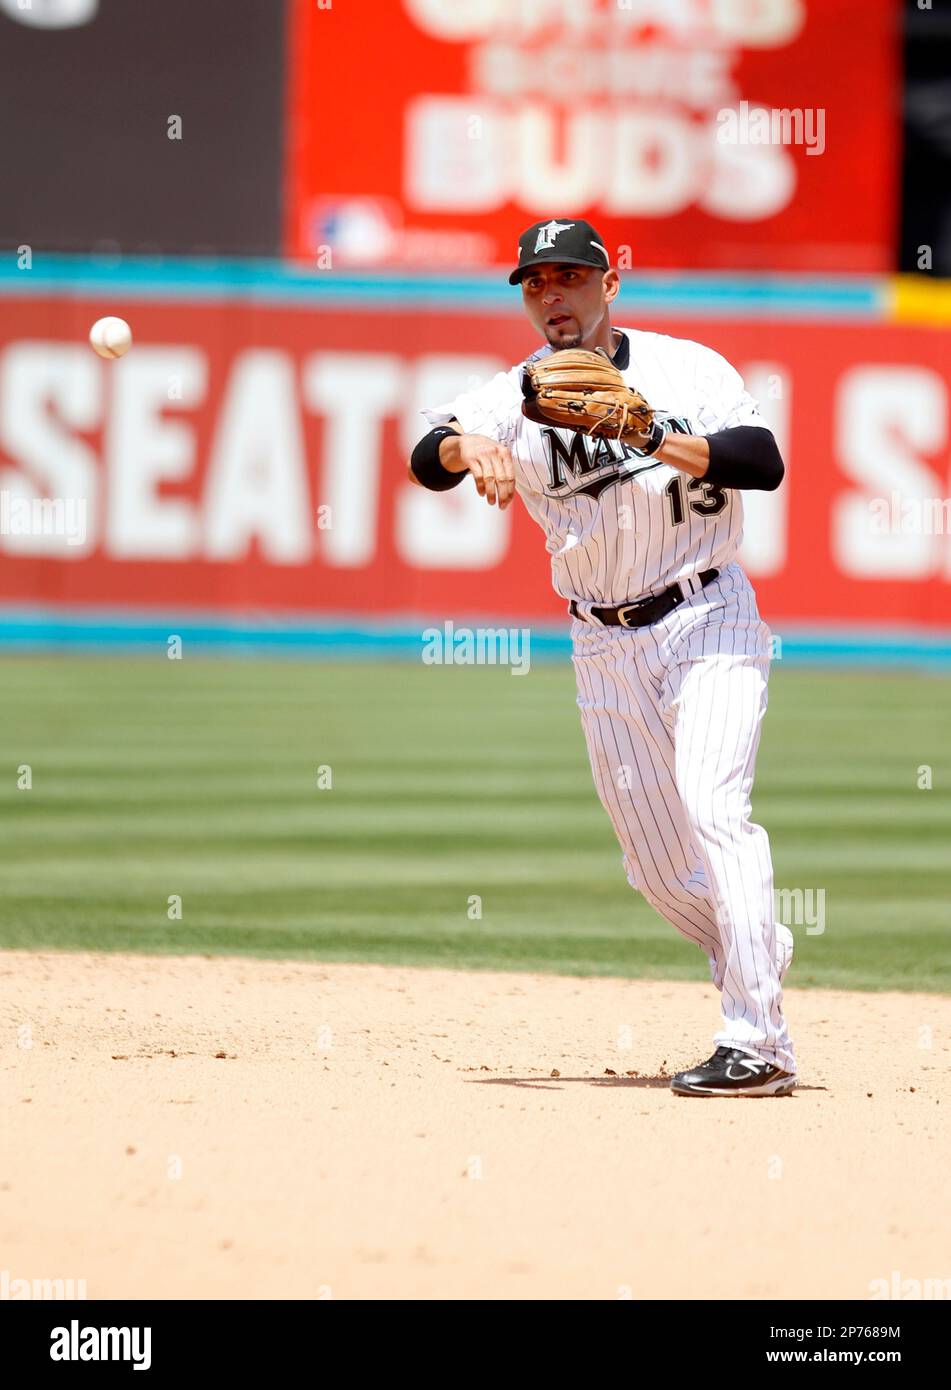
(632, 450)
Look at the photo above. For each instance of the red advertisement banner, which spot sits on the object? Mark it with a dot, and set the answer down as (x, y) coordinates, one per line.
(250, 459)
(742, 134)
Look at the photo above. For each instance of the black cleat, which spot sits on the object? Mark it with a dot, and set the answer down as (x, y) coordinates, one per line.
(733, 1072)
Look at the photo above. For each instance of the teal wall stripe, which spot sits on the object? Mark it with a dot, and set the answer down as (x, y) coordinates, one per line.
(291, 284)
(36, 630)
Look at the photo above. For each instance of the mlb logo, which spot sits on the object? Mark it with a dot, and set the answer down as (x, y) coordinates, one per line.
(359, 231)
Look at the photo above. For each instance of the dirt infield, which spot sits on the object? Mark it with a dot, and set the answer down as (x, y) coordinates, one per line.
(198, 1128)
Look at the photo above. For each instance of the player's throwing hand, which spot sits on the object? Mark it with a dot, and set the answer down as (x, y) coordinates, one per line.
(440, 460)
(491, 467)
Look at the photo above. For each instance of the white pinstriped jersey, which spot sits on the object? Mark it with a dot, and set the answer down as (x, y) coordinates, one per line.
(620, 527)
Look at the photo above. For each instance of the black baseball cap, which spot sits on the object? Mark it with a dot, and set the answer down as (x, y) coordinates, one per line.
(565, 239)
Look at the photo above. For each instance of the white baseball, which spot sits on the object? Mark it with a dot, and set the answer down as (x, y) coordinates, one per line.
(110, 337)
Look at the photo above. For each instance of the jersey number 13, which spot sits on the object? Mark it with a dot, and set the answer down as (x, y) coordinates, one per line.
(711, 501)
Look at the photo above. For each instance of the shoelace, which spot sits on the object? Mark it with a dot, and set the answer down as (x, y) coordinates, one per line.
(722, 1053)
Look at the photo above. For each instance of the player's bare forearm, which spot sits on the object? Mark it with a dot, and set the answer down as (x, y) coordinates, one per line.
(689, 452)
(450, 452)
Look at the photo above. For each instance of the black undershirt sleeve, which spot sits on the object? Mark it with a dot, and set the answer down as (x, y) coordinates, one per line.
(746, 456)
(426, 464)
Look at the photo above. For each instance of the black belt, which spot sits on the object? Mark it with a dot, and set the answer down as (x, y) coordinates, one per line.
(646, 610)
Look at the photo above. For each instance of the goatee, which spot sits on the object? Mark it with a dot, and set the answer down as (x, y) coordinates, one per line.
(564, 343)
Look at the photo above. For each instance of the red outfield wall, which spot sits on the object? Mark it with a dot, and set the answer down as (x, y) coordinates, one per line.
(253, 458)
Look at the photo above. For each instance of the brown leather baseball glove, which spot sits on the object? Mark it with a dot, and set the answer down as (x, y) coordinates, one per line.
(579, 390)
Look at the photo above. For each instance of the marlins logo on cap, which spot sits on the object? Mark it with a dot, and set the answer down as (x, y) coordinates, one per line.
(557, 239)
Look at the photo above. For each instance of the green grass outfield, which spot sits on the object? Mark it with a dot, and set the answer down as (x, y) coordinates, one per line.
(199, 778)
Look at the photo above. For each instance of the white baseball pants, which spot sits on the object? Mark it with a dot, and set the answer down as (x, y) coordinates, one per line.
(672, 716)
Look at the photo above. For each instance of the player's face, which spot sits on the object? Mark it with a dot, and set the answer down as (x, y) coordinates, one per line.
(568, 303)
